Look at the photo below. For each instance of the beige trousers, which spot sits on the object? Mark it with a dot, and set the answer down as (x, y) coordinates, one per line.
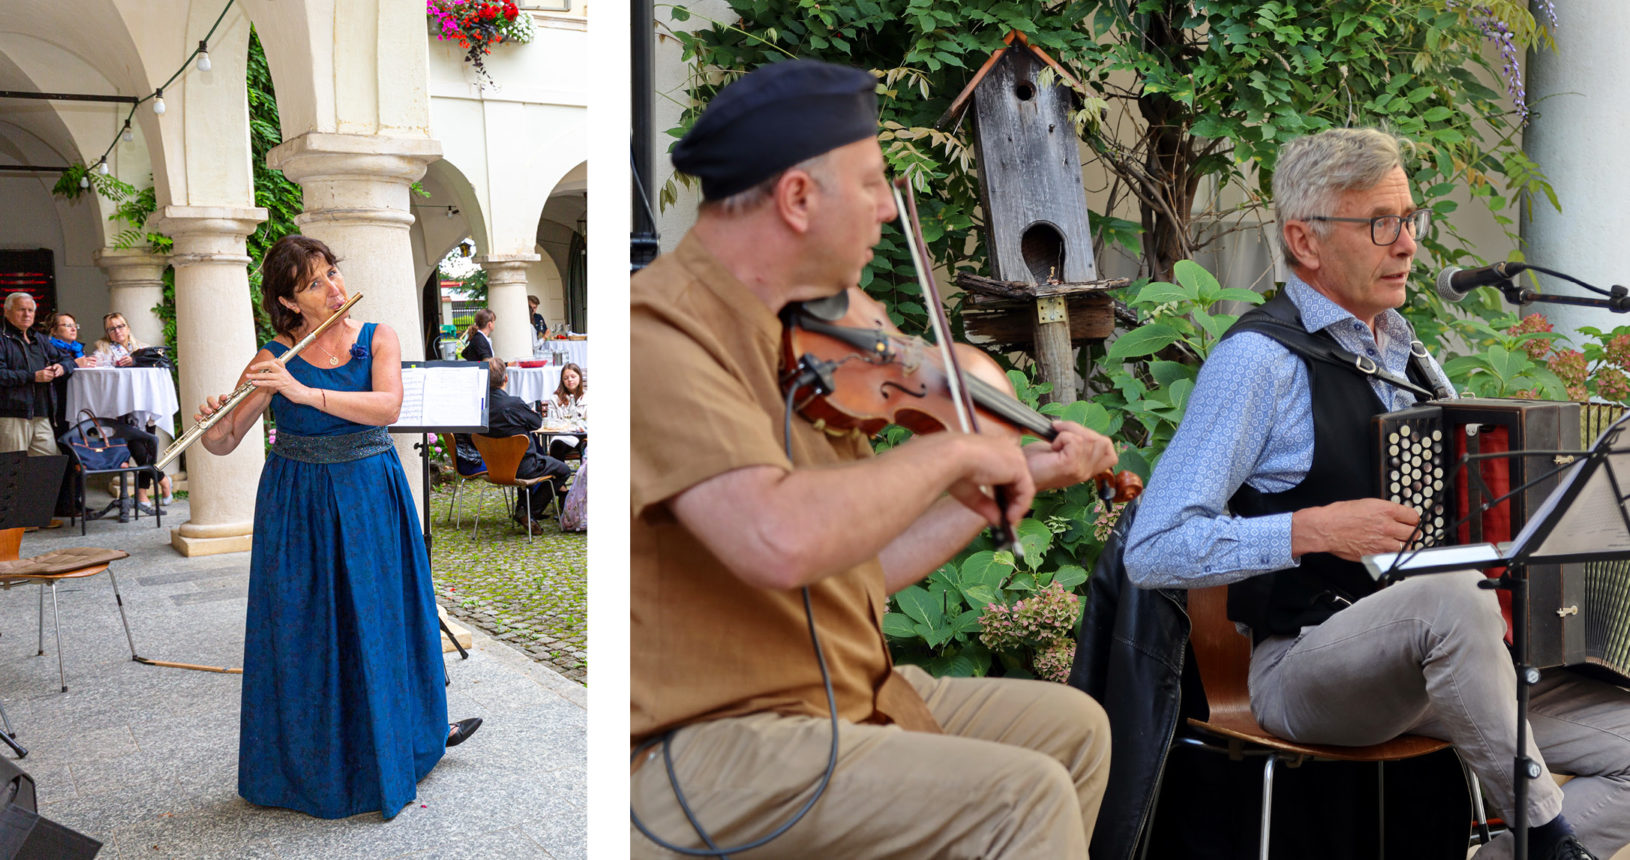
(1019, 772)
(28, 434)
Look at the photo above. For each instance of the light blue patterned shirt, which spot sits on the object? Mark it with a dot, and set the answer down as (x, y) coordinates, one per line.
(1249, 421)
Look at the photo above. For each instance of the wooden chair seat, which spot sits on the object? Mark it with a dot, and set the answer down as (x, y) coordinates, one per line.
(1223, 656)
(47, 569)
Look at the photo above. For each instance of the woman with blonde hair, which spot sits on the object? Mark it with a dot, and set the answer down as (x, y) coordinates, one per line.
(115, 349)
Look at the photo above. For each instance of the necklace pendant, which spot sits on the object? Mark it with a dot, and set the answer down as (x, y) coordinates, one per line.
(333, 362)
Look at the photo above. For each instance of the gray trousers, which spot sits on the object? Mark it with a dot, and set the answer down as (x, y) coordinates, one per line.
(1427, 656)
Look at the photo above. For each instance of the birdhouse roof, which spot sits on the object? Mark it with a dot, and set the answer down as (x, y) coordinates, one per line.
(1013, 37)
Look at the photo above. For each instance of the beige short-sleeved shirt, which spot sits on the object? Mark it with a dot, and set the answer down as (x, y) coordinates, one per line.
(706, 400)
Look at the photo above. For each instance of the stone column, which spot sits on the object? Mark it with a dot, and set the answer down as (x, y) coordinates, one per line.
(506, 295)
(1581, 121)
(356, 201)
(215, 340)
(135, 288)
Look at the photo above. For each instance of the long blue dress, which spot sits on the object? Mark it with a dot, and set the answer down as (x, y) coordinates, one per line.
(344, 708)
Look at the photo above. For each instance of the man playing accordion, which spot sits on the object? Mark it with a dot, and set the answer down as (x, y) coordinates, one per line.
(1260, 490)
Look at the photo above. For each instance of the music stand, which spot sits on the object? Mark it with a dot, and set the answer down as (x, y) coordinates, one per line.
(441, 397)
(1584, 519)
(28, 495)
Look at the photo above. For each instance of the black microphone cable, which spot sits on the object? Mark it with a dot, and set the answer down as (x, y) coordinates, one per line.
(807, 376)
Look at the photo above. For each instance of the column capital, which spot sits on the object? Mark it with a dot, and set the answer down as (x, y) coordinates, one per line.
(320, 155)
(208, 234)
(131, 266)
(504, 261)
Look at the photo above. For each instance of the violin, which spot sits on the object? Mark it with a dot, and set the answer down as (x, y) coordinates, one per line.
(850, 368)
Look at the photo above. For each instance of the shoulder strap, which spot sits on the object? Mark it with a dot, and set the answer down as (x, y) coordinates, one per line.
(1280, 320)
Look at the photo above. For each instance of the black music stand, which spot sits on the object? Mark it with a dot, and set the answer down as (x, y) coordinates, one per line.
(435, 400)
(1584, 519)
(28, 495)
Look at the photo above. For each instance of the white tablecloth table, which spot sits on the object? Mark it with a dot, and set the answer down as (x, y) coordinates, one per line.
(533, 383)
(114, 391)
(577, 351)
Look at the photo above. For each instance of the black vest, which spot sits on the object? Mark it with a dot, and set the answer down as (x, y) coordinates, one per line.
(1344, 468)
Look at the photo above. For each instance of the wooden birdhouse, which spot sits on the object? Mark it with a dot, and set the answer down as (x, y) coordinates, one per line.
(1043, 292)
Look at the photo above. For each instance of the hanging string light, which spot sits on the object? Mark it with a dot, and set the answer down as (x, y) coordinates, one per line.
(126, 133)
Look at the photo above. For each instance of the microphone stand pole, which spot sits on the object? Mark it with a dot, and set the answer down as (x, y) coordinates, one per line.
(1617, 299)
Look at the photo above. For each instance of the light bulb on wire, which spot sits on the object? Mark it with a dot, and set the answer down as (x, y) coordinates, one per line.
(203, 56)
(127, 134)
(84, 180)
(102, 167)
(158, 101)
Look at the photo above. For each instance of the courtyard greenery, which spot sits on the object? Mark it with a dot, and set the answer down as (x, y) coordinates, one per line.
(1180, 108)
(529, 594)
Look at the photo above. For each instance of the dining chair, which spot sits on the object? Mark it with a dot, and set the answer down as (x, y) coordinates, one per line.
(460, 476)
(503, 457)
(47, 570)
(1223, 656)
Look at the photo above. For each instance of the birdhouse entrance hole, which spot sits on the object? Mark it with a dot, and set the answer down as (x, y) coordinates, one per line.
(1024, 90)
(1043, 249)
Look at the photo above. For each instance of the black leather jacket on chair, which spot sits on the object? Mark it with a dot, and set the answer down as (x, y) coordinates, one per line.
(1131, 657)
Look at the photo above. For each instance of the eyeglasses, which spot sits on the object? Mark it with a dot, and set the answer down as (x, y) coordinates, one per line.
(1384, 230)
(117, 327)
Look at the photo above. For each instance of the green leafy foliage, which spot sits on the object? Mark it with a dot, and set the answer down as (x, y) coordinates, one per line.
(1183, 106)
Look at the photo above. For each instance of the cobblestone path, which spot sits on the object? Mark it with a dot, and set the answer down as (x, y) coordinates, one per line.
(531, 595)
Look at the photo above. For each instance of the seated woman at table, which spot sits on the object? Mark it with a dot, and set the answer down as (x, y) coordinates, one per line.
(478, 337)
(571, 400)
(115, 349)
(65, 335)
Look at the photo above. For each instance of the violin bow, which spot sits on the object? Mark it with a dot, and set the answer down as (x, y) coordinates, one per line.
(906, 204)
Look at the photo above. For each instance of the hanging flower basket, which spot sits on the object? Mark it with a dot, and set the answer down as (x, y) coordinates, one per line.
(477, 25)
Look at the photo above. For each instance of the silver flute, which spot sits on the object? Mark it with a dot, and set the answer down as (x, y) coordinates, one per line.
(197, 431)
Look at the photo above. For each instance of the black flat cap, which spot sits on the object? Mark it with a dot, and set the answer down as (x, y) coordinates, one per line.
(774, 117)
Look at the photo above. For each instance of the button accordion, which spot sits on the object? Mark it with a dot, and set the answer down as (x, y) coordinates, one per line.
(1578, 614)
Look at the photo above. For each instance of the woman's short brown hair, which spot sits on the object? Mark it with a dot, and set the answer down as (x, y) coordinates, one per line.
(281, 272)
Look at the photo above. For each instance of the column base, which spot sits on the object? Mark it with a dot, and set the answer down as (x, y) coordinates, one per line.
(211, 540)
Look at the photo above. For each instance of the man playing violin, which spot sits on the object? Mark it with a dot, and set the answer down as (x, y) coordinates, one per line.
(1262, 490)
(740, 512)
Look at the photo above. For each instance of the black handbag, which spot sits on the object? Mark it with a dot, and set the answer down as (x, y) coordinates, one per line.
(152, 356)
(94, 442)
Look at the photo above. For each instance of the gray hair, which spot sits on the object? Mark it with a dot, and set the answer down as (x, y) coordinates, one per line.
(743, 202)
(1313, 171)
(14, 299)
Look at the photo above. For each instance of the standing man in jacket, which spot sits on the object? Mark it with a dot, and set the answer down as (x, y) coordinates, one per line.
(28, 366)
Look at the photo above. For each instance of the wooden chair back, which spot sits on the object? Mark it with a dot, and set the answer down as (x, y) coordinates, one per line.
(1223, 656)
(1221, 653)
(503, 457)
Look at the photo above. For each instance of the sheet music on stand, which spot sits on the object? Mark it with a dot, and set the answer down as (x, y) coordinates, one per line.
(443, 397)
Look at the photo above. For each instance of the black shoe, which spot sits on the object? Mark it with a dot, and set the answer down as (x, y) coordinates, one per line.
(1568, 849)
(462, 730)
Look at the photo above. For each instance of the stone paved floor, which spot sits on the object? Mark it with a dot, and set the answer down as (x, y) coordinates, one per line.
(528, 594)
(144, 758)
